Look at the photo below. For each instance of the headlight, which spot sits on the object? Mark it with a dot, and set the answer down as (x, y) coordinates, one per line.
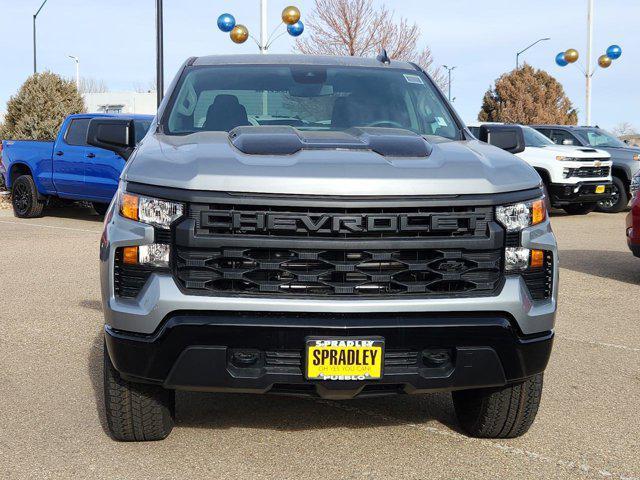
(636, 157)
(156, 212)
(567, 159)
(154, 255)
(521, 215)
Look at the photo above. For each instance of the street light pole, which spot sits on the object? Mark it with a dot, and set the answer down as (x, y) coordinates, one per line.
(589, 73)
(159, 53)
(77, 60)
(449, 69)
(35, 15)
(263, 26)
(524, 50)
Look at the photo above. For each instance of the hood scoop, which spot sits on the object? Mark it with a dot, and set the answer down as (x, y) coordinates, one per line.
(588, 150)
(285, 140)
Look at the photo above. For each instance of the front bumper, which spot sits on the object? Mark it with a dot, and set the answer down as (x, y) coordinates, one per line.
(633, 226)
(583, 192)
(195, 351)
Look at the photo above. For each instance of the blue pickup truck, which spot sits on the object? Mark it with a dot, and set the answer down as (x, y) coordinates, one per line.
(66, 168)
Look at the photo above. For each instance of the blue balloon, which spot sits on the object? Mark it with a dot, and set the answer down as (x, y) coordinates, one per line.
(226, 22)
(560, 61)
(296, 29)
(614, 52)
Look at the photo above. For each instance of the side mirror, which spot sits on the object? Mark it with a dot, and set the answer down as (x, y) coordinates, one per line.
(506, 137)
(567, 141)
(114, 134)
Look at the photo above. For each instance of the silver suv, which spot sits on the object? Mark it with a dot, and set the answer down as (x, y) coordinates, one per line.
(321, 226)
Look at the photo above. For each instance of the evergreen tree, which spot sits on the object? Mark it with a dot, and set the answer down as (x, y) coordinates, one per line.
(39, 108)
(527, 96)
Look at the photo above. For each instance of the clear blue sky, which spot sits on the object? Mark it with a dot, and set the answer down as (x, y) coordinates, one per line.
(115, 42)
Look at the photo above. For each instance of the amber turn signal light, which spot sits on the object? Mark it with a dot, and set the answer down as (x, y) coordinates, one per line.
(130, 255)
(129, 206)
(537, 259)
(538, 212)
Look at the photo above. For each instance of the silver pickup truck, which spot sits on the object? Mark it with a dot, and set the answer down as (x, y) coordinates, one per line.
(322, 226)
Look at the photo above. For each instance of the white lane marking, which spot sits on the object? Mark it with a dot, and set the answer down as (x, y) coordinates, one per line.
(583, 468)
(51, 226)
(600, 344)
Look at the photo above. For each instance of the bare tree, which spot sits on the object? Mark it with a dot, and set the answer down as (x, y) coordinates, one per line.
(357, 28)
(91, 85)
(624, 128)
(147, 87)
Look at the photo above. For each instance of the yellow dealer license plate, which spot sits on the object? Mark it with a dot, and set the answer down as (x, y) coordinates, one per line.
(600, 189)
(344, 358)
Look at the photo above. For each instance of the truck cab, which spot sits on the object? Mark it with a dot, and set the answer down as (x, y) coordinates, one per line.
(66, 168)
(625, 158)
(575, 178)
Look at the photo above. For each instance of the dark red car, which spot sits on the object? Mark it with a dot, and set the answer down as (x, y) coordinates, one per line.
(633, 226)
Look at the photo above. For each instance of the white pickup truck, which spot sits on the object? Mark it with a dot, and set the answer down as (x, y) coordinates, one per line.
(576, 178)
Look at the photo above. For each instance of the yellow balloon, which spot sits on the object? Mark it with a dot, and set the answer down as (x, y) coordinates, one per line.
(290, 15)
(604, 61)
(239, 34)
(571, 55)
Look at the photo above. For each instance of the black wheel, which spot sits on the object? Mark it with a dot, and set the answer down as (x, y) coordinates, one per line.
(579, 208)
(136, 412)
(505, 412)
(619, 198)
(24, 197)
(100, 208)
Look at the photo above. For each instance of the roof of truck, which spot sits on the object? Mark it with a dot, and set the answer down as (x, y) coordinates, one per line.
(279, 59)
(571, 127)
(133, 116)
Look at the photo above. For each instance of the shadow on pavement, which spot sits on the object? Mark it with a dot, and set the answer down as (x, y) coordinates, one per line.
(620, 266)
(73, 212)
(274, 412)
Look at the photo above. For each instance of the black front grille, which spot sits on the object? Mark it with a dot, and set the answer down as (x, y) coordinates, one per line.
(337, 272)
(128, 280)
(589, 172)
(539, 281)
(237, 220)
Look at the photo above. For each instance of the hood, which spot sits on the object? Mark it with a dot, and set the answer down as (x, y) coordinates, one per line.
(625, 153)
(209, 161)
(576, 152)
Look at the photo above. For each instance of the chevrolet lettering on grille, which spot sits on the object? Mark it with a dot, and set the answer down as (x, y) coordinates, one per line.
(262, 222)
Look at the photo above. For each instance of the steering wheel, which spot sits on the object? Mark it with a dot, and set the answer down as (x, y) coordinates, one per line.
(385, 123)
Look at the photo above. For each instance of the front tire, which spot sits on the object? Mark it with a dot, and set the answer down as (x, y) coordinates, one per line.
(619, 198)
(504, 412)
(136, 412)
(579, 208)
(100, 208)
(24, 197)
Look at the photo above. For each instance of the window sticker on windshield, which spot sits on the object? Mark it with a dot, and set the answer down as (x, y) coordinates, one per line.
(413, 79)
(441, 121)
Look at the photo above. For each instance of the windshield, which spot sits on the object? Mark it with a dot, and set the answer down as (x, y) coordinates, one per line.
(141, 128)
(533, 138)
(307, 97)
(596, 137)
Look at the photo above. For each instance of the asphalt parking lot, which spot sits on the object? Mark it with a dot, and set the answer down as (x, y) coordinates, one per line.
(52, 426)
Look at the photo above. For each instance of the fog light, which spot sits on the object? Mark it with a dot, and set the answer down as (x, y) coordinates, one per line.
(130, 255)
(156, 254)
(537, 259)
(516, 258)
